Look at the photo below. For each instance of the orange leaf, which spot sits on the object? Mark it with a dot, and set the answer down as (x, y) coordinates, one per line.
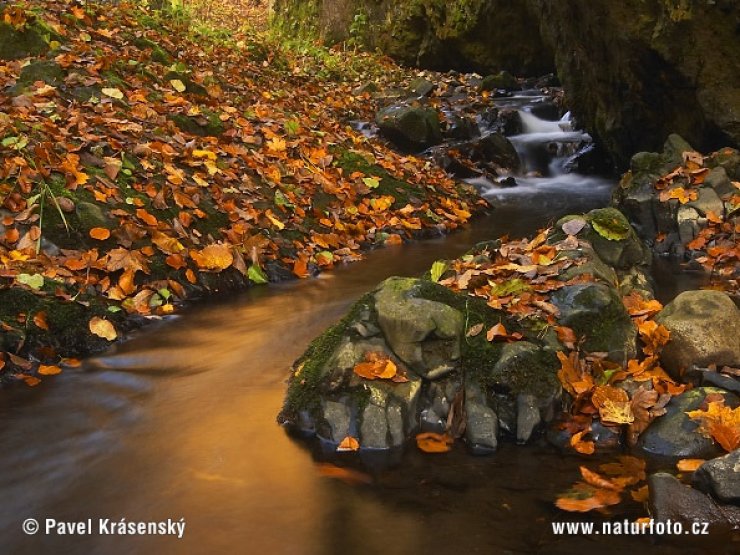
(641, 495)
(349, 443)
(45, 370)
(146, 217)
(376, 366)
(40, 320)
(585, 497)
(176, 261)
(429, 442)
(583, 447)
(215, 257)
(100, 233)
(689, 465)
(597, 480)
(497, 331)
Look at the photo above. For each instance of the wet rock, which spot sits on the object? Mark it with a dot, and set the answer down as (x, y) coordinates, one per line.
(421, 87)
(410, 126)
(527, 417)
(481, 423)
(675, 436)
(595, 311)
(338, 417)
(614, 240)
(672, 500)
(502, 80)
(369, 88)
(496, 149)
(720, 477)
(719, 182)
(461, 128)
(546, 110)
(705, 329)
(511, 122)
(424, 334)
(507, 182)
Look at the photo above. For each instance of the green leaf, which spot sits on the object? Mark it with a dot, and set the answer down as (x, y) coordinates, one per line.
(256, 275)
(282, 200)
(164, 293)
(610, 223)
(34, 281)
(114, 309)
(438, 268)
(511, 287)
(292, 127)
(372, 182)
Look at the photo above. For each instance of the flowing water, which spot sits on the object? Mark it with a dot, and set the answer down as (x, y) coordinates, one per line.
(179, 422)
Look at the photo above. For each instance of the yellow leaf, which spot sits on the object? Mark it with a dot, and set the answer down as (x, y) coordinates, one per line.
(178, 85)
(204, 154)
(113, 93)
(102, 328)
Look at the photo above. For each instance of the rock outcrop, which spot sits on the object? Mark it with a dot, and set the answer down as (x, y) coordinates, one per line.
(471, 35)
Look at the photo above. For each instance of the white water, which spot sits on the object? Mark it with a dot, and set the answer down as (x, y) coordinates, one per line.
(544, 148)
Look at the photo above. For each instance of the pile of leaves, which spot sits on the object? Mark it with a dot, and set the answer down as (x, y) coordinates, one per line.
(143, 162)
(716, 247)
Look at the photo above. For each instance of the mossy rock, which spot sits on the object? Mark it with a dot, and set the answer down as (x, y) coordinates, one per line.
(610, 223)
(159, 54)
(501, 80)
(410, 126)
(47, 71)
(206, 125)
(595, 312)
(16, 44)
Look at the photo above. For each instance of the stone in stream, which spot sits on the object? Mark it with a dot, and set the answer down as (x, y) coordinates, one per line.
(410, 126)
(495, 149)
(674, 501)
(424, 334)
(595, 311)
(705, 330)
(675, 435)
(720, 477)
(502, 80)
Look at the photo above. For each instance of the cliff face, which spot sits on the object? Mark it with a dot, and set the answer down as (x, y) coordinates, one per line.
(638, 70)
(634, 70)
(472, 35)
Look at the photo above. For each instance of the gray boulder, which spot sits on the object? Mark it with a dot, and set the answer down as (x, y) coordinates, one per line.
(410, 126)
(595, 311)
(705, 329)
(720, 477)
(675, 436)
(424, 334)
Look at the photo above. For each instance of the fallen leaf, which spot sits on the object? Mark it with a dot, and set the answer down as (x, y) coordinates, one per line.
(349, 443)
(689, 465)
(100, 233)
(102, 328)
(45, 370)
(429, 442)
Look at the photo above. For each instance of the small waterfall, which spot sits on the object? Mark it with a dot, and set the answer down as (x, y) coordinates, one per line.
(544, 148)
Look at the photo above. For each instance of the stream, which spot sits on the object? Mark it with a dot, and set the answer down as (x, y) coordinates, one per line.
(179, 422)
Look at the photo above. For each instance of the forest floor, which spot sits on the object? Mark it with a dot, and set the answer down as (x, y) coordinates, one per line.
(150, 157)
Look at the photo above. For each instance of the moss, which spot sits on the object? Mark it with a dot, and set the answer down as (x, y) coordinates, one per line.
(68, 333)
(158, 53)
(40, 70)
(20, 43)
(304, 389)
